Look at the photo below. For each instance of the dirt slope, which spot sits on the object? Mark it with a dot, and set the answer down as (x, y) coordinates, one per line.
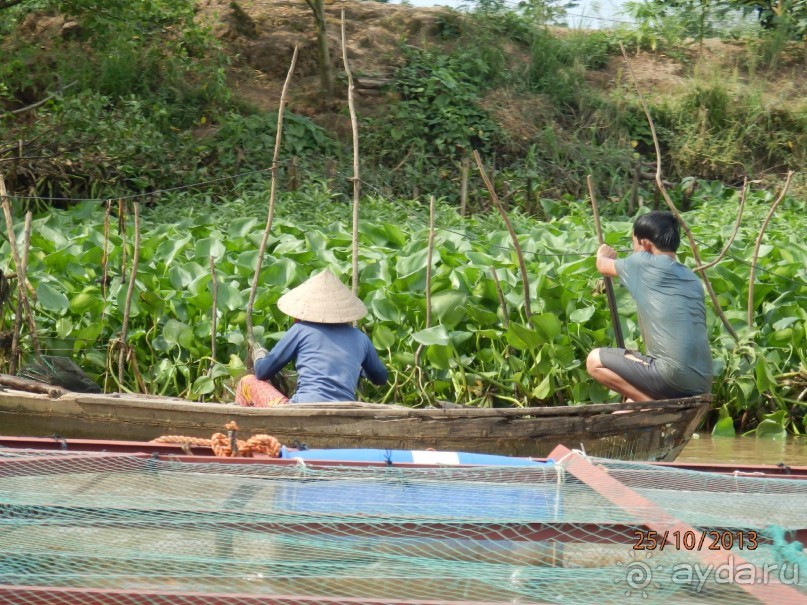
(261, 35)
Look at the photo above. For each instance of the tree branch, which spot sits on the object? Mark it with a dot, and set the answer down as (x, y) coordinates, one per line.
(733, 235)
(356, 182)
(519, 254)
(43, 101)
(4, 4)
(271, 214)
(429, 252)
(756, 249)
(215, 312)
(129, 293)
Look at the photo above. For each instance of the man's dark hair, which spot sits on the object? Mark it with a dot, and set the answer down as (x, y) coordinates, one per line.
(661, 228)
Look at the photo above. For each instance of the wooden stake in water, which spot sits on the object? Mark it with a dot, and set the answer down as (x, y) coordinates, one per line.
(122, 233)
(22, 277)
(122, 347)
(429, 254)
(500, 294)
(271, 214)
(519, 254)
(105, 259)
(214, 313)
(356, 182)
(464, 166)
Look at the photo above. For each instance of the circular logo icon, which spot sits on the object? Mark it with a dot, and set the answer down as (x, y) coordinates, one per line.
(638, 577)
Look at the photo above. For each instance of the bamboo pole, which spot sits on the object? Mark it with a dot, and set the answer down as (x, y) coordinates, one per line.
(519, 254)
(464, 169)
(122, 232)
(23, 276)
(15, 338)
(12, 239)
(758, 244)
(22, 272)
(104, 289)
(500, 294)
(5, 292)
(356, 182)
(505, 199)
(105, 257)
(215, 312)
(122, 346)
(132, 356)
(661, 189)
(429, 254)
(294, 175)
(271, 214)
(330, 173)
(634, 186)
(609, 283)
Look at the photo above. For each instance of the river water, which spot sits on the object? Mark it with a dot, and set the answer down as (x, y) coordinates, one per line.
(745, 450)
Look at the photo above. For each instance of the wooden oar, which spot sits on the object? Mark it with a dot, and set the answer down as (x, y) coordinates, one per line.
(609, 285)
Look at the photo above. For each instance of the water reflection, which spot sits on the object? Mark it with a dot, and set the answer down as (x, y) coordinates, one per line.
(745, 450)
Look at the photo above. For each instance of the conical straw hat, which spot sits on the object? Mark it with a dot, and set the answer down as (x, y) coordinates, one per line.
(323, 299)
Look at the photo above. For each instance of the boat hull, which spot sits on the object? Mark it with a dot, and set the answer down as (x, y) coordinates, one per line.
(652, 431)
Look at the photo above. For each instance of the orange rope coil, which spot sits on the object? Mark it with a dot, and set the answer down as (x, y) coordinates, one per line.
(222, 445)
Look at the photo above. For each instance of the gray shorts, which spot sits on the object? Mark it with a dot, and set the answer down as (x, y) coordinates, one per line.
(643, 374)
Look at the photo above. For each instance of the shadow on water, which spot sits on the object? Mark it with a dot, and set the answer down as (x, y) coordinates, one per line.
(745, 450)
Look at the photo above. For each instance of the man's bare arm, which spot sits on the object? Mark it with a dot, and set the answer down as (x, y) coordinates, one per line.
(605, 260)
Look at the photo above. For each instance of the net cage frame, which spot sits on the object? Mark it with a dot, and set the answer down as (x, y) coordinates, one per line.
(616, 484)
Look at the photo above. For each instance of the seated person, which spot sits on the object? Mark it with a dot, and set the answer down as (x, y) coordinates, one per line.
(672, 318)
(329, 353)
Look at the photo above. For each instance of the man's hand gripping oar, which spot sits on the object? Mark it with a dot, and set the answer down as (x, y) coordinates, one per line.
(609, 285)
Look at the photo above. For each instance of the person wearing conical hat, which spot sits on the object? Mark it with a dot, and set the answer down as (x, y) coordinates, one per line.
(330, 354)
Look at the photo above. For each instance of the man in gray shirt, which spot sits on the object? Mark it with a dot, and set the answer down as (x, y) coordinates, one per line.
(672, 318)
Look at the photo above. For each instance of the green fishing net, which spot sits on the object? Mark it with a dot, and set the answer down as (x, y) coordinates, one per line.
(93, 528)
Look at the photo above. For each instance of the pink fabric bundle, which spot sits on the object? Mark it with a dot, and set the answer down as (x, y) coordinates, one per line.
(255, 393)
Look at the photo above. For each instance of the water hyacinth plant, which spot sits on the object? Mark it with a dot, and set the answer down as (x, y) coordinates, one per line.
(479, 350)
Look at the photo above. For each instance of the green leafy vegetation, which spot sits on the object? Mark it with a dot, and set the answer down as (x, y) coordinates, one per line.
(477, 350)
(115, 100)
(127, 83)
(138, 93)
(717, 132)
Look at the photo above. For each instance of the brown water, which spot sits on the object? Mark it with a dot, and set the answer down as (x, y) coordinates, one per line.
(745, 450)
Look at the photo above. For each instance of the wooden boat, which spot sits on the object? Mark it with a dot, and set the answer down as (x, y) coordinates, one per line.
(646, 431)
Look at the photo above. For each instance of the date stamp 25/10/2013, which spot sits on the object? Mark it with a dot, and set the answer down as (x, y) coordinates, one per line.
(695, 540)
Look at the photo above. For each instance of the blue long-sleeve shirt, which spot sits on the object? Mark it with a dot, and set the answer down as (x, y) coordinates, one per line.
(329, 359)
